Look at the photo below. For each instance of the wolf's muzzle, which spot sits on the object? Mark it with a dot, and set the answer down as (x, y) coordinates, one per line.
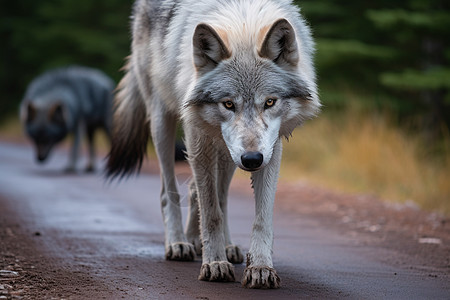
(252, 160)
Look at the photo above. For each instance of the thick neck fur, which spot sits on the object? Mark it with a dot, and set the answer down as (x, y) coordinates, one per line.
(242, 25)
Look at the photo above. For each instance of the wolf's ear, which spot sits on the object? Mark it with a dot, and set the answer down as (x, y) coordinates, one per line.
(280, 45)
(56, 114)
(209, 48)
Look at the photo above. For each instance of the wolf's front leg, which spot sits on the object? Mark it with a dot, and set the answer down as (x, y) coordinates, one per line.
(73, 156)
(193, 221)
(203, 160)
(163, 125)
(259, 272)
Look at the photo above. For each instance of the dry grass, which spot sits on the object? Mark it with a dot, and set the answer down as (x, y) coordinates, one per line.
(362, 154)
(11, 129)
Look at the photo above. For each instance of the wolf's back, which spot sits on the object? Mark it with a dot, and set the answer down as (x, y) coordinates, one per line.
(87, 90)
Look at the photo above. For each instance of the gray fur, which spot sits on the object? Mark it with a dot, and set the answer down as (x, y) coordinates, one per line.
(67, 100)
(239, 74)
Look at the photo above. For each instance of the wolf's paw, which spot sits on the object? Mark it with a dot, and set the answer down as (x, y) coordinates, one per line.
(260, 278)
(217, 271)
(234, 254)
(180, 251)
(197, 245)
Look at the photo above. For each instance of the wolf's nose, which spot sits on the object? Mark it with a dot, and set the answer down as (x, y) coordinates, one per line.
(252, 160)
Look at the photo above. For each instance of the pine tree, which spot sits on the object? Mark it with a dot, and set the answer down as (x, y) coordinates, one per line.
(38, 35)
(421, 30)
(397, 49)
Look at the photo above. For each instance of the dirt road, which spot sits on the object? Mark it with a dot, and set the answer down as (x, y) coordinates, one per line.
(75, 237)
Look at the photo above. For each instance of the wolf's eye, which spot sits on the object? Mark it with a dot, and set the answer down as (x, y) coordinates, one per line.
(269, 103)
(229, 105)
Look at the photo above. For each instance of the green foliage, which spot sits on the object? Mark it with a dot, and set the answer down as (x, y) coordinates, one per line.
(336, 51)
(398, 50)
(386, 19)
(39, 35)
(414, 80)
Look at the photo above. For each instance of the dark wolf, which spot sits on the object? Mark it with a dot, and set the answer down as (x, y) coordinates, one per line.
(61, 101)
(239, 75)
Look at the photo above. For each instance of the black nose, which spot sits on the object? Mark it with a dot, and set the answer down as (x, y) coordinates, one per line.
(41, 158)
(252, 160)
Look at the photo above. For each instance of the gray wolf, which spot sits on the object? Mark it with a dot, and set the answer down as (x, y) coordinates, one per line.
(239, 75)
(67, 100)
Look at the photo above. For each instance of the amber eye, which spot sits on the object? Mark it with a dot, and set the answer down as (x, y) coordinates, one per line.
(269, 103)
(228, 105)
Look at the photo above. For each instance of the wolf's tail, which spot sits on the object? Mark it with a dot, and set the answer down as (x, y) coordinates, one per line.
(130, 129)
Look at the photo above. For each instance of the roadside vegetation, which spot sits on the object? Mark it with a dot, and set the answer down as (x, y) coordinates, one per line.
(368, 153)
(383, 71)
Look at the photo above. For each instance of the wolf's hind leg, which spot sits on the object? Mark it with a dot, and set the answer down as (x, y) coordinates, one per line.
(90, 167)
(225, 171)
(193, 222)
(163, 126)
(74, 152)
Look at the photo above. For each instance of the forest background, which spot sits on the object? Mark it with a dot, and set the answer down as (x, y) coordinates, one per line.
(384, 79)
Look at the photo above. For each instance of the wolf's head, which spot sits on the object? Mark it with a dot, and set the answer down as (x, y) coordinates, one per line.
(45, 124)
(252, 95)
